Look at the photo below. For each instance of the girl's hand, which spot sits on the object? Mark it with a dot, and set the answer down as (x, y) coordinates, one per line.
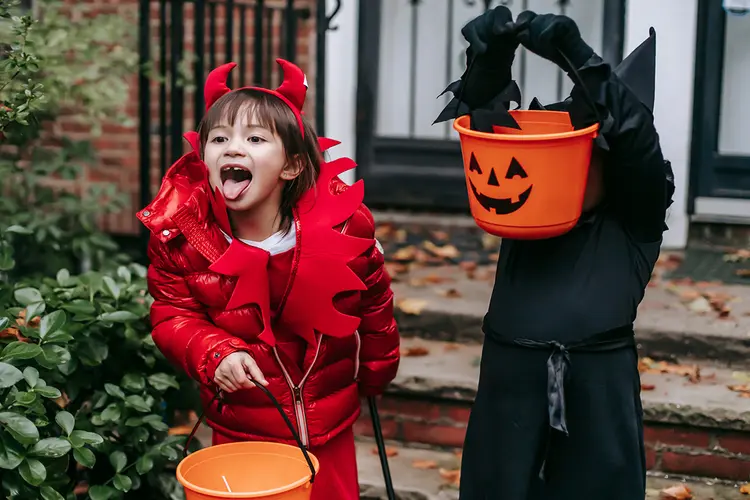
(236, 370)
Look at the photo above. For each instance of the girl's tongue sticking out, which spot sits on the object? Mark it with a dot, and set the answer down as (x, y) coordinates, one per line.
(234, 181)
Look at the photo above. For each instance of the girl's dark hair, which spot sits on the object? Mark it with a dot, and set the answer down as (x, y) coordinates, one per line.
(275, 115)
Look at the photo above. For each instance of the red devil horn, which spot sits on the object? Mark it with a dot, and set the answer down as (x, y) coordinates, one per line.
(294, 86)
(216, 84)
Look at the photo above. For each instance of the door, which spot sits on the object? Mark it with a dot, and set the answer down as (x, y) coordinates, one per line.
(720, 163)
(409, 51)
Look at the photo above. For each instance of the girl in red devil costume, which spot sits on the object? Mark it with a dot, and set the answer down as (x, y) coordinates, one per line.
(264, 265)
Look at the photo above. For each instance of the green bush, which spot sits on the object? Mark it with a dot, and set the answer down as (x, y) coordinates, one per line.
(85, 397)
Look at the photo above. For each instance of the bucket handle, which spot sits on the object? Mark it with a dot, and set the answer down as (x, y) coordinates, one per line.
(283, 415)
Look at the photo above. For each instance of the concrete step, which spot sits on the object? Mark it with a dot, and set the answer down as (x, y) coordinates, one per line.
(424, 474)
(699, 428)
(676, 320)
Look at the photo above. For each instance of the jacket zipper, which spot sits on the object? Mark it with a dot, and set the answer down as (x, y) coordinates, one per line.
(299, 403)
(356, 359)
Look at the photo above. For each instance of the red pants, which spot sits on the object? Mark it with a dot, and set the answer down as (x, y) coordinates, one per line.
(338, 477)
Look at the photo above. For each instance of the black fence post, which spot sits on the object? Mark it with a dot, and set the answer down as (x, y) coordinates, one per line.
(177, 93)
(144, 112)
(199, 15)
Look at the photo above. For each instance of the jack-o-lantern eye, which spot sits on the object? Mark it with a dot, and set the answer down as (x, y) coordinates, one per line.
(474, 165)
(515, 169)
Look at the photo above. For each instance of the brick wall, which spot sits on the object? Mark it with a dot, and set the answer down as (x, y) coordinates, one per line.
(118, 147)
(694, 451)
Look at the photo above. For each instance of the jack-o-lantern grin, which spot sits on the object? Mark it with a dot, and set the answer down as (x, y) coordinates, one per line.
(500, 206)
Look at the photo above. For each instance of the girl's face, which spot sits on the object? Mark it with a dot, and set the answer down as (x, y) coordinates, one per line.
(247, 163)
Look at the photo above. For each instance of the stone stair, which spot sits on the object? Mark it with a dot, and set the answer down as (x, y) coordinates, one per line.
(693, 428)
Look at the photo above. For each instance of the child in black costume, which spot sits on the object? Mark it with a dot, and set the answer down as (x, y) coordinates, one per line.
(558, 412)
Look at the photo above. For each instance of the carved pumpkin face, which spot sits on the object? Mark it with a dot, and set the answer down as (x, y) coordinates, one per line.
(499, 196)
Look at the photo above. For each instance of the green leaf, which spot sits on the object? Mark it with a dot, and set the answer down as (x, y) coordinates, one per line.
(111, 413)
(99, 492)
(122, 483)
(124, 274)
(4, 322)
(162, 381)
(15, 228)
(92, 351)
(144, 464)
(48, 392)
(137, 403)
(169, 453)
(59, 336)
(9, 375)
(134, 422)
(114, 391)
(51, 323)
(51, 448)
(85, 457)
(79, 306)
(118, 317)
(35, 309)
(18, 351)
(119, 460)
(31, 375)
(66, 421)
(33, 471)
(49, 493)
(11, 453)
(86, 437)
(27, 296)
(63, 277)
(25, 398)
(133, 382)
(111, 288)
(20, 427)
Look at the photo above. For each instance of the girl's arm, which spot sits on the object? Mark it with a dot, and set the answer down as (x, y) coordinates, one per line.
(182, 330)
(379, 336)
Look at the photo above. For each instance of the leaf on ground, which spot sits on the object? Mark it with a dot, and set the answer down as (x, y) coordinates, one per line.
(424, 464)
(745, 489)
(415, 351)
(648, 387)
(738, 256)
(648, 365)
(743, 390)
(743, 376)
(490, 242)
(451, 346)
(451, 477)
(450, 293)
(411, 306)
(180, 430)
(743, 273)
(446, 251)
(395, 268)
(676, 492)
(384, 231)
(389, 452)
(405, 254)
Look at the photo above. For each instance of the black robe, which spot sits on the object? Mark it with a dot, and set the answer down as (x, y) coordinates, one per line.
(558, 413)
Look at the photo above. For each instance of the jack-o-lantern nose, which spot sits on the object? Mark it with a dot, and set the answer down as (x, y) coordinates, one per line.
(492, 181)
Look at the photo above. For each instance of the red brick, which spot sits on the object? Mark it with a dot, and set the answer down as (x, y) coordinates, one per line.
(706, 466)
(652, 459)
(676, 436)
(363, 427)
(458, 414)
(409, 409)
(735, 442)
(439, 435)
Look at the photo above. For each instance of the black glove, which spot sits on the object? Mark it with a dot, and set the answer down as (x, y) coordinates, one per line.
(489, 57)
(549, 34)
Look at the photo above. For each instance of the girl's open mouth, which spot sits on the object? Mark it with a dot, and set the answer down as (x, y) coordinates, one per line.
(234, 181)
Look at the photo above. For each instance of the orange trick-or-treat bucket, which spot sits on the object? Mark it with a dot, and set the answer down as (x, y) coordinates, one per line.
(247, 470)
(527, 183)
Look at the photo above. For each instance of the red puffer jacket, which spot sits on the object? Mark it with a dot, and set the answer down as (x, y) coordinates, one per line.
(194, 329)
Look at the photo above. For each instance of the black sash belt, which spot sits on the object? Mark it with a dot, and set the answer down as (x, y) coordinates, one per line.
(558, 364)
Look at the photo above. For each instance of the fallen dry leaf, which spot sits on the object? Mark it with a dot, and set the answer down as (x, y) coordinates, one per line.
(738, 256)
(490, 242)
(446, 252)
(451, 476)
(743, 390)
(648, 365)
(395, 268)
(400, 236)
(743, 273)
(405, 254)
(411, 306)
(451, 346)
(648, 387)
(424, 464)
(450, 293)
(745, 489)
(676, 492)
(467, 265)
(389, 452)
(383, 231)
(415, 351)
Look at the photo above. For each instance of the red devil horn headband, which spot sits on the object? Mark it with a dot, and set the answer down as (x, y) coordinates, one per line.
(292, 90)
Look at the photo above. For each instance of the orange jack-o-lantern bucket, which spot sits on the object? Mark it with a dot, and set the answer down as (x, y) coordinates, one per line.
(527, 183)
